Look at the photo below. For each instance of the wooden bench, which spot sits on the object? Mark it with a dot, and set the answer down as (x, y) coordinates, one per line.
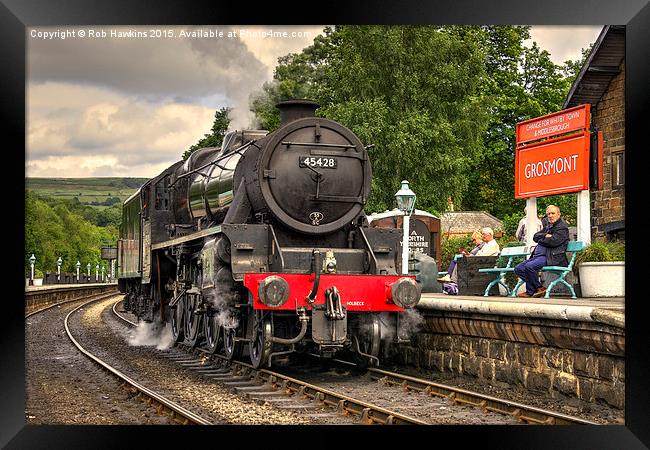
(511, 253)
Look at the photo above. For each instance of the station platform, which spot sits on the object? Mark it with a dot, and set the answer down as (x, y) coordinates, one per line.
(607, 310)
(49, 287)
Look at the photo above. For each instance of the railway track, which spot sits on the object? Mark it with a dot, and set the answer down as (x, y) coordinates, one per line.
(275, 387)
(521, 412)
(150, 397)
(163, 404)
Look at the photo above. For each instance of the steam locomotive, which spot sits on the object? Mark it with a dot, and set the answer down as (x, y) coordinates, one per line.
(262, 246)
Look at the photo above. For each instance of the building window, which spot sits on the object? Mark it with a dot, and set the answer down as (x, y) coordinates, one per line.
(618, 169)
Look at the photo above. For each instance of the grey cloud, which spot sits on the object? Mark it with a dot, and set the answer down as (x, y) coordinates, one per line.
(154, 69)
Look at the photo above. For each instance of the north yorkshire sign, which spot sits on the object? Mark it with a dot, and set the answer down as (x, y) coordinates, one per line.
(552, 155)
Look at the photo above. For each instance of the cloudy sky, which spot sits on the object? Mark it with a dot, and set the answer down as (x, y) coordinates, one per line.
(128, 101)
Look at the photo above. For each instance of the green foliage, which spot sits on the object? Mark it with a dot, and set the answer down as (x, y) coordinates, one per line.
(510, 223)
(54, 230)
(601, 251)
(424, 118)
(567, 203)
(107, 202)
(215, 138)
(522, 83)
(100, 191)
(297, 75)
(110, 216)
(449, 248)
(440, 104)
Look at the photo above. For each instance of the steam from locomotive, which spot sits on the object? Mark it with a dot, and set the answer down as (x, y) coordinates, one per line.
(262, 246)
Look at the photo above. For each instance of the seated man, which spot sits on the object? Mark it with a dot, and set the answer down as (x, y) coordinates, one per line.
(551, 247)
(491, 247)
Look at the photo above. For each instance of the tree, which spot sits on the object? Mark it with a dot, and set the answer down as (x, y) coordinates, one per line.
(215, 138)
(411, 91)
(522, 83)
(439, 103)
(297, 75)
(55, 231)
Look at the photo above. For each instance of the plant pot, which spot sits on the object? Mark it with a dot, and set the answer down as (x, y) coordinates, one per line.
(602, 279)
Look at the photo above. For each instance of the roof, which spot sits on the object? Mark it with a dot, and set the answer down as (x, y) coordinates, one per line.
(397, 212)
(602, 64)
(466, 222)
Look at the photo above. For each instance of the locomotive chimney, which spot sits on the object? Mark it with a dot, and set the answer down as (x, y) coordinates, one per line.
(296, 109)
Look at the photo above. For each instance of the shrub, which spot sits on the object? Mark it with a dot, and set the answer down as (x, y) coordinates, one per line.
(510, 223)
(450, 246)
(600, 251)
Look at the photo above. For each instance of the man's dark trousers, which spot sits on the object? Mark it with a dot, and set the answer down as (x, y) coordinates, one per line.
(528, 271)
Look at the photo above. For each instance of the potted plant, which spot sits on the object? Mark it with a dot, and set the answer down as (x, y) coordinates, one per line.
(38, 277)
(601, 268)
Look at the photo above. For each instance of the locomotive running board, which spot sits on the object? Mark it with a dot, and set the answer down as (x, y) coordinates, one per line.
(189, 237)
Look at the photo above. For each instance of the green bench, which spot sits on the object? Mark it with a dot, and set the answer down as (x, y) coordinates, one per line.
(511, 253)
(573, 247)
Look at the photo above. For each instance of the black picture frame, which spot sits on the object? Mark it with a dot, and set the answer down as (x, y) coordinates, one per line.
(16, 16)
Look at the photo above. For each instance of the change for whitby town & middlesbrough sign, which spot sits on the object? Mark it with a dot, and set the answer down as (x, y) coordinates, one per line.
(552, 154)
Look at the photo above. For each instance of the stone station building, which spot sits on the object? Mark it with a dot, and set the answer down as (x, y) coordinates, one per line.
(601, 83)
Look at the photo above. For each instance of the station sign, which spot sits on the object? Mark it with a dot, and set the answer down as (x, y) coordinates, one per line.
(553, 168)
(420, 237)
(561, 122)
(552, 155)
(109, 253)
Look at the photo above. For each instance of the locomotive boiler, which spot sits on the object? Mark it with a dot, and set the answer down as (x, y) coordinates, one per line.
(262, 246)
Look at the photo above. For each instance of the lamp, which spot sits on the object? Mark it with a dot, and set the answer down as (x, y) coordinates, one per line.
(32, 260)
(406, 202)
(58, 269)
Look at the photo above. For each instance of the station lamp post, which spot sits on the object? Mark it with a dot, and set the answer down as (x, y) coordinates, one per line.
(406, 202)
(58, 269)
(78, 265)
(88, 268)
(103, 280)
(96, 272)
(32, 260)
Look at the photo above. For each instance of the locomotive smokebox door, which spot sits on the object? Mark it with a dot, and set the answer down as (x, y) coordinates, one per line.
(327, 331)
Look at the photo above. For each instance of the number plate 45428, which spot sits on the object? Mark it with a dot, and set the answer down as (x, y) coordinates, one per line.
(324, 162)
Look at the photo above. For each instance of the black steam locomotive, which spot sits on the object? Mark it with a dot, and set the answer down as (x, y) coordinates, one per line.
(262, 245)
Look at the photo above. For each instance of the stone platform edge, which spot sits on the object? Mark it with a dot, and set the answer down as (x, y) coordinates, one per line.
(606, 314)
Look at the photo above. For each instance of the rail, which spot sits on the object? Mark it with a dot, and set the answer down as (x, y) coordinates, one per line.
(177, 411)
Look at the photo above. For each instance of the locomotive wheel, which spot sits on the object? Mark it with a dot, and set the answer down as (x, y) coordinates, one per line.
(213, 331)
(192, 321)
(260, 345)
(177, 320)
(231, 348)
(369, 339)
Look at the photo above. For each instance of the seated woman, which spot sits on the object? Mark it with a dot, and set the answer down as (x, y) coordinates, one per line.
(477, 240)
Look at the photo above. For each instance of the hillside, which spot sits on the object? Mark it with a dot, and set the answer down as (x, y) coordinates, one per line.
(90, 191)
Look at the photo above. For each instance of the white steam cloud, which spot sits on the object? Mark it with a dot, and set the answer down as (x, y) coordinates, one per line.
(221, 300)
(152, 334)
(410, 322)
